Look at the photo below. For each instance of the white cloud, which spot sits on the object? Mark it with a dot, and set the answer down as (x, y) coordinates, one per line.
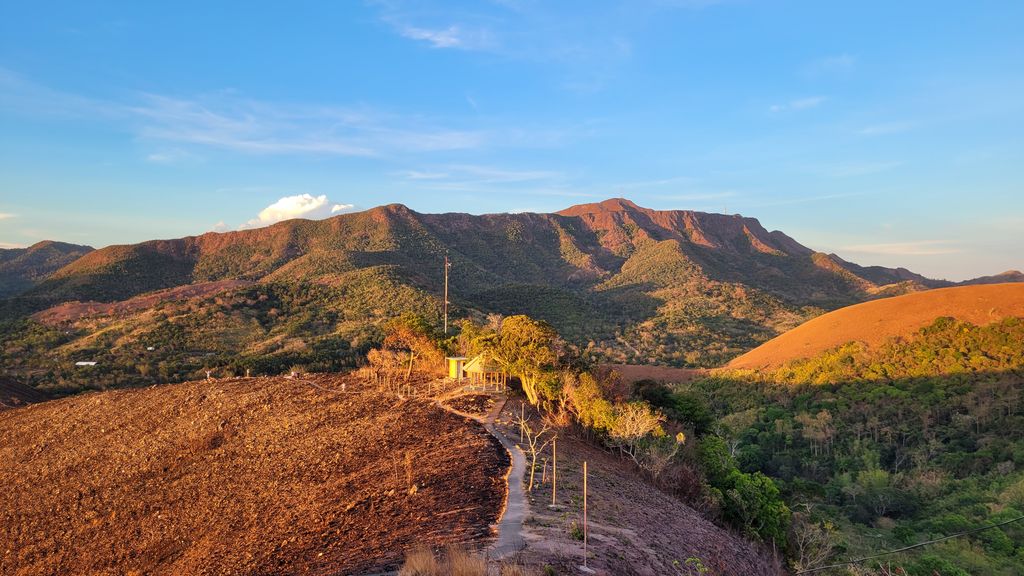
(798, 104)
(447, 38)
(220, 227)
(438, 27)
(918, 248)
(6, 215)
(9, 245)
(298, 206)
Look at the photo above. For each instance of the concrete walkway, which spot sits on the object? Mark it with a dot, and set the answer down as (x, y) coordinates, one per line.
(510, 527)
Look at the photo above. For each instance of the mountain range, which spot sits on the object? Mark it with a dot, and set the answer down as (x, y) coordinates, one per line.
(625, 283)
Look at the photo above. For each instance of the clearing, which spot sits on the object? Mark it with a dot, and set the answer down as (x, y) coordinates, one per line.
(244, 476)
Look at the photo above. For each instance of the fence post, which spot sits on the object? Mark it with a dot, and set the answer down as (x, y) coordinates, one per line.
(554, 469)
(585, 530)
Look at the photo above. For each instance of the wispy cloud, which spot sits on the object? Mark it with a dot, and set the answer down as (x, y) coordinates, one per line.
(833, 64)
(422, 175)
(917, 248)
(179, 127)
(807, 199)
(175, 156)
(694, 196)
(6, 215)
(656, 183)
(453, 36)
(476, 178)
(854, 169)
(884, 128)
(438, 27)
(298, 206)
(10, 245)
(798, 104)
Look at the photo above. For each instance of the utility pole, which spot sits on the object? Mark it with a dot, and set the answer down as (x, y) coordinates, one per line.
(447, 266)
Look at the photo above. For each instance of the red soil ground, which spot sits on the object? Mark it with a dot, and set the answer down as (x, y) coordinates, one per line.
(260, 476)
(876, 321)
(633, 372)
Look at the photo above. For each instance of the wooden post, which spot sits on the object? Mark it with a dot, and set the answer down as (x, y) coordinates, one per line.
(585, 531)
(522, 420)
(544, 473)
(554, 469)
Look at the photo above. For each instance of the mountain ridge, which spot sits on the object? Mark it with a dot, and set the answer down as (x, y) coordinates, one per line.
(624, 283)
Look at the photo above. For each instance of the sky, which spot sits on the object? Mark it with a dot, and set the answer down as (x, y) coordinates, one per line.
(890, 133)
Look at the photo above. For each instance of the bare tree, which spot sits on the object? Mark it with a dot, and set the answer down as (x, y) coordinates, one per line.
(813, 542)
(633, 423)
(535, 441)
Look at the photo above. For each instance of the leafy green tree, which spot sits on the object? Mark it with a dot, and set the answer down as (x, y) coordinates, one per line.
(528, 349)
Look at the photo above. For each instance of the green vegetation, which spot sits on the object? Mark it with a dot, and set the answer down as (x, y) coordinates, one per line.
(881, 448)
(624, 288)
(265, 329)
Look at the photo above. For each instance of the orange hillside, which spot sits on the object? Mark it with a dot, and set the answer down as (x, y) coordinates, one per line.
(878, 320)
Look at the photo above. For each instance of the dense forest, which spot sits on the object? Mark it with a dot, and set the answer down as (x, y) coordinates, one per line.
(876, 449)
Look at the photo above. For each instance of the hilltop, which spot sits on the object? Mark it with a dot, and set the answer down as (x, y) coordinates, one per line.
(23, 268)
(878, 321)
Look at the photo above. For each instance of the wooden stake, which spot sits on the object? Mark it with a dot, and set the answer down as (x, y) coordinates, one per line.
(585, 531)
(554, 469)
(544, 472)
(522, 421)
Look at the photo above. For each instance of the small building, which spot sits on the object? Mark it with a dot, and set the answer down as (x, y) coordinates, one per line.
(85, 363)
(456, 364)
(485, 370)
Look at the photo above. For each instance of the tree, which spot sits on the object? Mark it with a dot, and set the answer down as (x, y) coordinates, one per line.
(536, 441)
(414, 335)
(529, 350)
(633, 423)
(812, 541)
(585, 400)
(732, 426)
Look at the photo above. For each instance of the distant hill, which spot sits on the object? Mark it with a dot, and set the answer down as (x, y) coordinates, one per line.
(1008, 276)
(626, 284)
(23, 268)
(875, 322)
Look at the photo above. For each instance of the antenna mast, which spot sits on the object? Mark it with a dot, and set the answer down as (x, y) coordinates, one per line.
(447, 265)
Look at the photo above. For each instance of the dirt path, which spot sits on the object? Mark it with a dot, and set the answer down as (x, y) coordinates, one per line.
(510, 527)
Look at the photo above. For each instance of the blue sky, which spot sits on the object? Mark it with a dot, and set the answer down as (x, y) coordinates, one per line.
(887, 132)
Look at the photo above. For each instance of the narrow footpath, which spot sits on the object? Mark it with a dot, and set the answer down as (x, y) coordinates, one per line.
(510, 538)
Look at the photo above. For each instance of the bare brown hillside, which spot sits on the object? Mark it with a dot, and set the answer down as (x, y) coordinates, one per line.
(261, 476)
(634, 528)
(876, 321)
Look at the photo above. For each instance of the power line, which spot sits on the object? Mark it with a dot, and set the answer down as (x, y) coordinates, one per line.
(918, 545)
